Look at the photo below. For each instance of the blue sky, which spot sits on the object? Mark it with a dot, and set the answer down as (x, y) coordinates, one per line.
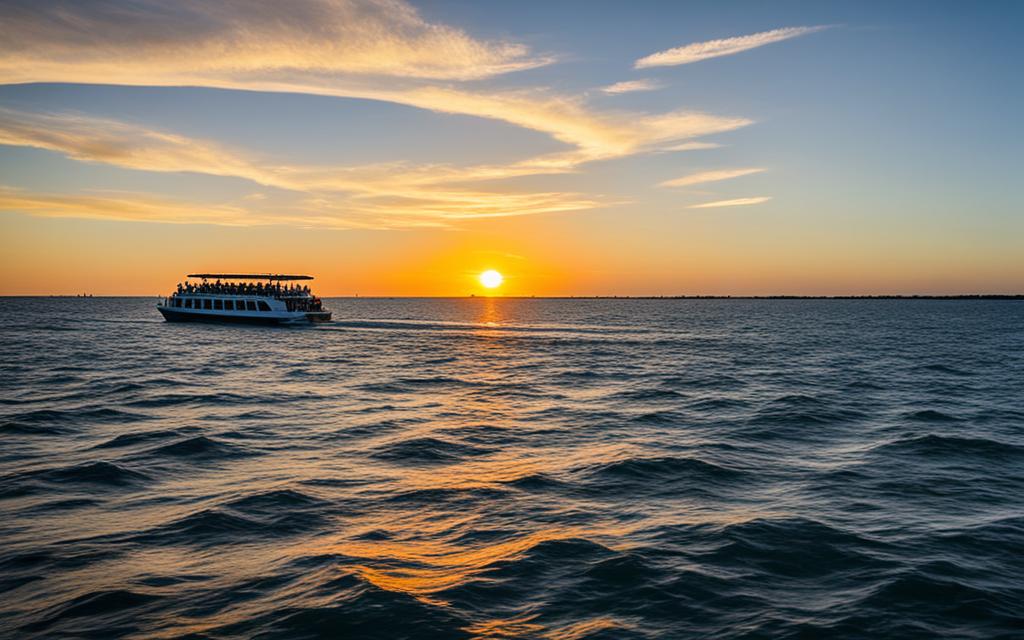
(875, 147)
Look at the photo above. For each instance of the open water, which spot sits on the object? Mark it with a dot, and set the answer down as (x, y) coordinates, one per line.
(514, 469)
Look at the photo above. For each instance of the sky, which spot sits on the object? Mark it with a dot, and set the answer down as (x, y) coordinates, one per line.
(394, 148)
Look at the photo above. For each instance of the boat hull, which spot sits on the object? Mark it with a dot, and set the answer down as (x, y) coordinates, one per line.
(178, 315)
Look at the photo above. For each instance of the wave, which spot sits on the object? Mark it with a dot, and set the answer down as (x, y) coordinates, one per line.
(995, 547)
(930, 415)
(538, 482)
(666, 473)
(649, 395)
(29, 429)
(68, 504)
(933, 446)
(115, 607)
(224, 526)
(448, 495)
(214, 399)
(797, 548)
(275, 501)
(89, 475)
(404, 385)
(659, 418)
(798, 417)
(717, 404)
(100, 472)
(348, 606)
(427, 450)
(547, 562)
(962, 605)
(69, 418)
(199, 447)
(130, 439)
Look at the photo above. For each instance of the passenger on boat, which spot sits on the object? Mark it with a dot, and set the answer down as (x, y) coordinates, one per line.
(244, 288)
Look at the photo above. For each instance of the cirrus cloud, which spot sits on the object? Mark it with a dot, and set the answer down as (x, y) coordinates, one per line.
(710, 176)
(630, 86)
(736, 202)
(243, 39)
(382, 195)
(697, 51)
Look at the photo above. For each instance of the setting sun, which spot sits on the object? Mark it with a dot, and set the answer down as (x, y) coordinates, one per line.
(491, 279)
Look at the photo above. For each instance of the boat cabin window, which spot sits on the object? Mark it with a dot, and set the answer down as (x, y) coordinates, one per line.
(229, 305)
(250, 305)
(188, 303)
(207, 304)
(177, 302)
(218, 304)
(240, 305)
(264, 306)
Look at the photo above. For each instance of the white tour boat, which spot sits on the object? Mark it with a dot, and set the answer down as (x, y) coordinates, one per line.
(232, 297)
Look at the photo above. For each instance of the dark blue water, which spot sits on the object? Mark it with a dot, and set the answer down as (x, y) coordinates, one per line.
(515, 468)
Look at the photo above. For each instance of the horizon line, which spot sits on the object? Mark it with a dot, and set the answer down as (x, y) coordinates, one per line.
(869, 296)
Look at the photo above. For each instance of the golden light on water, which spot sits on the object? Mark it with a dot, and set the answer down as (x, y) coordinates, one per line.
(491, 279)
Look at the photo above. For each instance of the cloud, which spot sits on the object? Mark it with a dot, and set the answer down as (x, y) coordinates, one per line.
(697, 51)
(121, 144)
(243, 39)
(692, 146)
(382, 191)
(710, 176)
(630, 86)
(312, 212)
(366, 49)
(134, 207)
(384, 195)
(731, 203)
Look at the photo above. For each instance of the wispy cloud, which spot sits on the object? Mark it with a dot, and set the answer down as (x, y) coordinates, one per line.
(245, 39)
(697, 51)
(630, 86)
(737, 202)
(311, 212)
(710, 176)
(384, 195)
(692, 146)
(134, 207)
(368, 49)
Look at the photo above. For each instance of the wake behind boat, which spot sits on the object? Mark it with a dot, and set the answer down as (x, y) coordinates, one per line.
(229, 297)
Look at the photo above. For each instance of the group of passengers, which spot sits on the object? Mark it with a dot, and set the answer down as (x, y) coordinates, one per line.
(244, 289)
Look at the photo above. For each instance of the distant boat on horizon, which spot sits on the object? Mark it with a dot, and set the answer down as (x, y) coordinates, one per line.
(243, 298)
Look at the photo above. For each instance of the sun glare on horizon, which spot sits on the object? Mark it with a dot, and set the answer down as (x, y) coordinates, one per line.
(491, 279)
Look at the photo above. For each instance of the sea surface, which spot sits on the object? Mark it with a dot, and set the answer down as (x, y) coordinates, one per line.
(564, 469)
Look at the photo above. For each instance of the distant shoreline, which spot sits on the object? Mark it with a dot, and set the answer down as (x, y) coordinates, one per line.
(987, 296)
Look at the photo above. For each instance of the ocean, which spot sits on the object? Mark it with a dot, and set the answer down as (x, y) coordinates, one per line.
(514, 468)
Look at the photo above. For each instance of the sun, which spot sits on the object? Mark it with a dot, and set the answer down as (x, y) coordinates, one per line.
(491, 279)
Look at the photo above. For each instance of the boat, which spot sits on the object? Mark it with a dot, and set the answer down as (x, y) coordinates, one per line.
(243, 297)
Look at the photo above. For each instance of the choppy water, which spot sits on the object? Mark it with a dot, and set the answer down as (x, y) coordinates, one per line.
(514, 468)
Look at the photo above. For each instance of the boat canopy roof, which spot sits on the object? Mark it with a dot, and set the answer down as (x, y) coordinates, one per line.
(248, 276)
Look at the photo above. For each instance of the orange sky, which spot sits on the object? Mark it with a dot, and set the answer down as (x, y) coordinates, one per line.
(57, 256)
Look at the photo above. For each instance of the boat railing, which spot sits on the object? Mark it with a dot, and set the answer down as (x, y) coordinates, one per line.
(276, 296)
